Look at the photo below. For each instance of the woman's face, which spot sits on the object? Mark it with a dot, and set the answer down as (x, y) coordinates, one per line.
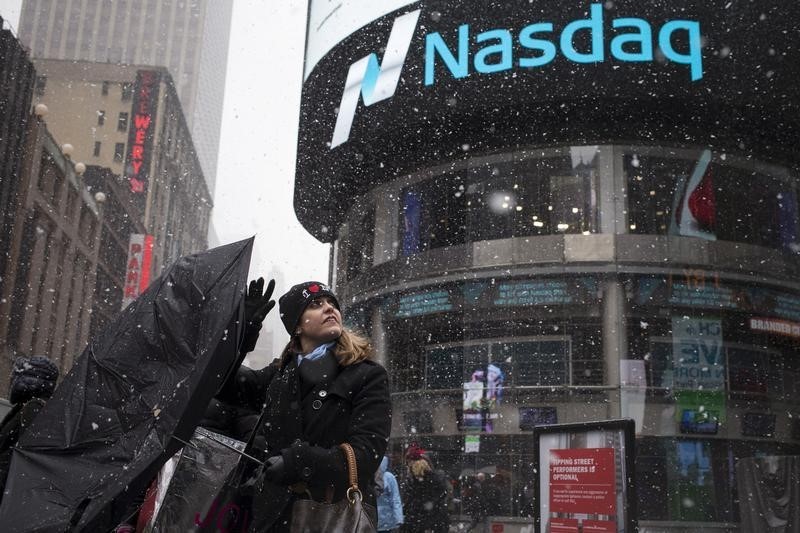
(321, 322)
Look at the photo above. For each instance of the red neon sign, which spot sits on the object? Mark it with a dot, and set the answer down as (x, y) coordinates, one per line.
(140, 138)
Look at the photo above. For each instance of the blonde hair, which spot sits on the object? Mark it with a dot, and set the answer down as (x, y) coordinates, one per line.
(351, 348)
(419, 468)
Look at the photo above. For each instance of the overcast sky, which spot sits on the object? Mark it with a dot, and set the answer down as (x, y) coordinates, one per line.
(255, 176)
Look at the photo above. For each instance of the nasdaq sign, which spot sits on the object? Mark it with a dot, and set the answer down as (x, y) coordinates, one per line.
(535, 45)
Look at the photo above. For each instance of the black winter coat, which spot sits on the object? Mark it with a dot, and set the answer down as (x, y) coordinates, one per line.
(425, 503)
(309, 411)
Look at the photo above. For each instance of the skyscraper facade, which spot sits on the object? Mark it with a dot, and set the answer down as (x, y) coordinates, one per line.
(189, 37)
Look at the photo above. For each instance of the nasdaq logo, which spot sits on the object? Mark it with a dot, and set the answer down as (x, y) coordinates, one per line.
(372, 80)
(539, 45)
(535, 45)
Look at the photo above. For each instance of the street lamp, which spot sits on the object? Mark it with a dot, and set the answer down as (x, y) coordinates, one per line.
(40, 110)
(67, 150)
(80, 168)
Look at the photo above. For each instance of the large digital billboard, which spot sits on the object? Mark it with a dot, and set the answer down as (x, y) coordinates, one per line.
(432, 81)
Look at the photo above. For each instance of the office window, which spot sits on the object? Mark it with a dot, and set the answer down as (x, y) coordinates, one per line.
(105, 87)
(361, 243)
(127, 91)
(533, 196)
(119, 152)
(97, 149)
(41, 83)
(432, 214)
(704, 198)
(101, 117)
(122, 122)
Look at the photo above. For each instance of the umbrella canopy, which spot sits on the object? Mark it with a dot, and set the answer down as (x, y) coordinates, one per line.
(147, 378)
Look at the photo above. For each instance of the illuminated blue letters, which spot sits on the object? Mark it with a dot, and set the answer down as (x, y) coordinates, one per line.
(644, 38)
(632, 42)
(527, 41)
(435, 44)
(503, 48)
(595, 26)
(694, 58)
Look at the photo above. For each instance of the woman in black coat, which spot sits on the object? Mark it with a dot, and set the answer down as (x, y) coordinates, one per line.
(323, 391)
(425, 495)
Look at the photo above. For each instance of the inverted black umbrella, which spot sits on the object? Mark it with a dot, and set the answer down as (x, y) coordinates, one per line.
(130, 399)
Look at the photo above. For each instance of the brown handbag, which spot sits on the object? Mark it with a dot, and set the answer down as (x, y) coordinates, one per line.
(350, 515)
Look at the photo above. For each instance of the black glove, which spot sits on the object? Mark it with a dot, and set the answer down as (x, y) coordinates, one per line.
(257, 304)
(275, 469)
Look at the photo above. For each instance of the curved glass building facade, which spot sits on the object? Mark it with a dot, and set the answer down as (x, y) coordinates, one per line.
(569, 245)
(577, 272)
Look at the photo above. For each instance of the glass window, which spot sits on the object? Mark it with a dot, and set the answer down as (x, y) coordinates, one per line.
(127, 91)
(96, 152)
(771, 216)
(533, 196)
(360, 249)
(705, 198)
(40, 86)
(101, 117)
(651, 184)
(105, 86)
(122, 122)
(432, 214)
(119, 152)
(544, 362)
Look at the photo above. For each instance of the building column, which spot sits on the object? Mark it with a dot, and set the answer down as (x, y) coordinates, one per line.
(379, 337)
(615, 340)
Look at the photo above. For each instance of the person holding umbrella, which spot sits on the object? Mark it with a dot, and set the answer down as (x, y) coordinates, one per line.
(323, 391)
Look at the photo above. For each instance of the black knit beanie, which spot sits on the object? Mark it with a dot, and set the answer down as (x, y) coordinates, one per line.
(294, 302)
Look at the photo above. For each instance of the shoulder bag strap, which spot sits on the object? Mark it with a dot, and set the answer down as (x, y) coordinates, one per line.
(353, 492)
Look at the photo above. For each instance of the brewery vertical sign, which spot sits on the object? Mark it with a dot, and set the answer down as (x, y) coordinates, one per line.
(142, 129)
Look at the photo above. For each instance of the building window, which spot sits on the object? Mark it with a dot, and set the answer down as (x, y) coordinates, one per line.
(542, 361)
(41, 83)
(127, 91)
(361, 244)
(119, 152)
(105, 87)
(432, 215)
(101, 117)
(703, 198)
(122, 122)
(547, 196)
(97, 149)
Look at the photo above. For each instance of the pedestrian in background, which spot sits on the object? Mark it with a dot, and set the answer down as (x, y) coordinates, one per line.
(425, 495)
(390, 507)
(33, 380)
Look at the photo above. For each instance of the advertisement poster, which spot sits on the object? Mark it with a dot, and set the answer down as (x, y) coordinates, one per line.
(483, 393)
(584, 477)
(583, 481)
(699, 373)
(698, 355)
